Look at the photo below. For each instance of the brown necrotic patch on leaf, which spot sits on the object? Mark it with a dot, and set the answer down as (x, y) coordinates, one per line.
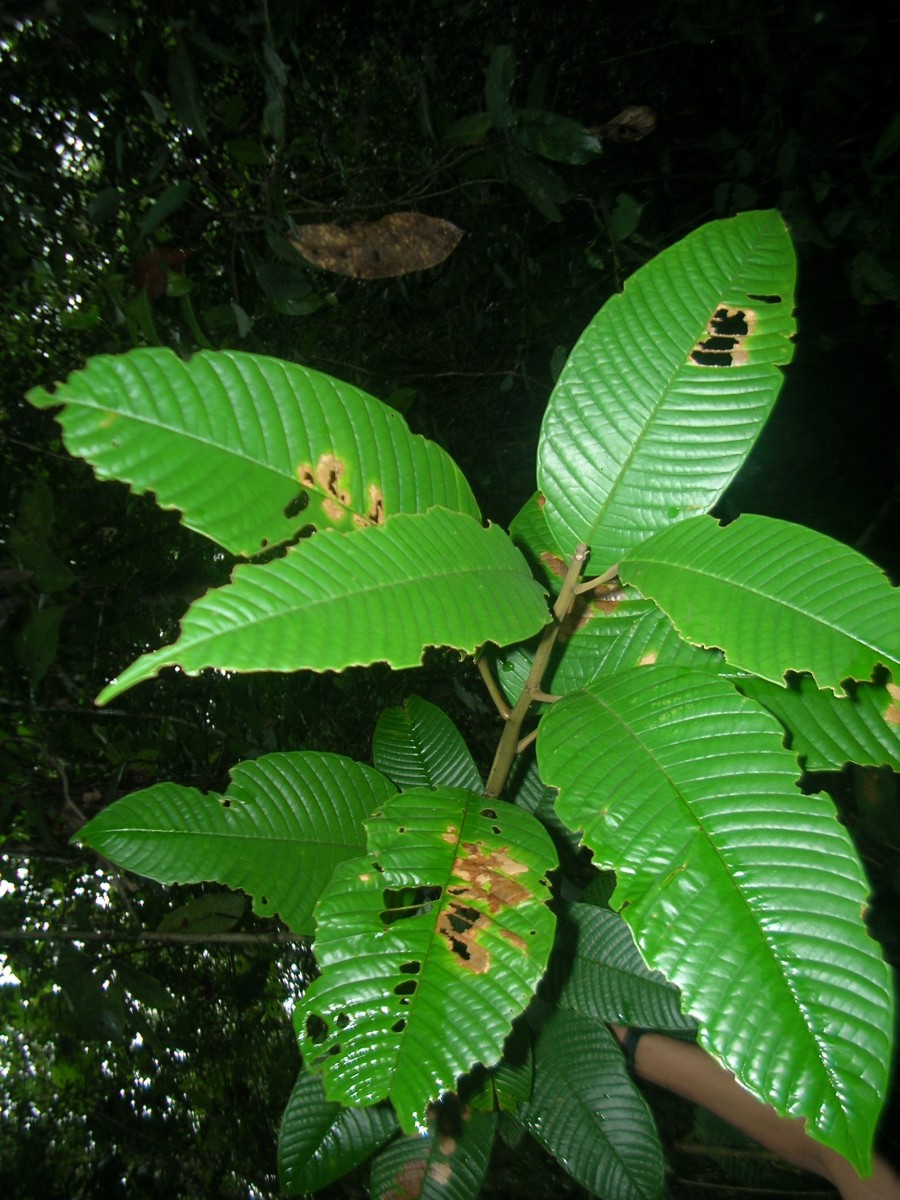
(394, 245)
(892, 712)
(727, 331)
(488, 885)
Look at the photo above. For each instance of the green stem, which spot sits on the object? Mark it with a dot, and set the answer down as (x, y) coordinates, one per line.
(507, 747)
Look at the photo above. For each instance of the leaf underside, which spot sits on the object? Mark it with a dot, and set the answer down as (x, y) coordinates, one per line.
(448, 1163)
(668, 387)
(828, 731)
(746, 894)
(445, 914)
(419, 746)
(278, 831)
(319, 1141)
(588, 1114)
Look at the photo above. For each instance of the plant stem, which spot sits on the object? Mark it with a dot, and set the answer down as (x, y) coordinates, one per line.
(509, 739)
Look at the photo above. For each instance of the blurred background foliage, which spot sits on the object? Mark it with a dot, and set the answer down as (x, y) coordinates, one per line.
(154, 163)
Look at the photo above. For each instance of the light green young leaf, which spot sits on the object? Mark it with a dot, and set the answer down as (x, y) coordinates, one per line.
(828, 731)
(588, 1114)
(448, 1163)
(319, 1141)
(773, 596)
(668, 387)
(446, 914)
(338, 600)
(250, 449)
(419, 746)
(279, 830)
(747, 895)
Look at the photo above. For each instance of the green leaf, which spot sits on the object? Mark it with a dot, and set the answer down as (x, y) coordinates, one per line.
(469, 129)
(214, 913)
(588, 1114)
(338, 600)
(278, 831)
(557, 138)
(448, 1163)
(746, 894)
(596, 970)
(175, 195)
(319, 1141)
(184, 93)
(668, 387)
(500, 76)
(773, 596)
(531, 533)
(419, 746)
(251, 449)
(540, 185)
(445, 915)
(606, 631)
(828, 731)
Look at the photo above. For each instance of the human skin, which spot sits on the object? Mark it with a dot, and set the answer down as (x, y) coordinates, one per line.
(689, 1071)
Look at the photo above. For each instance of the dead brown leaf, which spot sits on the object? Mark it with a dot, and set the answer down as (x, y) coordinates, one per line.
(396, 244)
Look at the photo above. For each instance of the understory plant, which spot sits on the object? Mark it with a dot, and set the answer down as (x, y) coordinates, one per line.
(639, 851)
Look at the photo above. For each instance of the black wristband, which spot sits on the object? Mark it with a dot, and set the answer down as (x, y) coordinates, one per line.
(633, 1035)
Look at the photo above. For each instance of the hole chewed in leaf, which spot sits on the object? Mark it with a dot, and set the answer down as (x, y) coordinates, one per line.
(727, 331)
(763, 299)
(316, 1029)
(297, 505)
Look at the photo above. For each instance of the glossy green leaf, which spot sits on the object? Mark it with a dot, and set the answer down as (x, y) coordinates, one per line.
(668, 387)
(746, 894)
(827, 731)
(773, 596)
(250, 449)
(337, 600)
(445, 914)
(319, 1141)
(419, 746)
(606, 631)
(588, 1114)
(448, 1163)
(596, 970)
(278, 831)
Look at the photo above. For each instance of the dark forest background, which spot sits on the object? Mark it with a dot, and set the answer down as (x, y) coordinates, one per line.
(154, 159)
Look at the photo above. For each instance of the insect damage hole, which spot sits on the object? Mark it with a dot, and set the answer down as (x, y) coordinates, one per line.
(727, 331)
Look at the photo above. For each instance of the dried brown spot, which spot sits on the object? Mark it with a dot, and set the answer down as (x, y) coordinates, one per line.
(648, 659)
(333, 510)
(727, 331)
(514, 939)
(446, 1145)
(408, 1180)
(487, 886)
(541, 500)
(440, 1172)
(305, 475)
(376, 505)
(892, 712)
(330, 472)
(554, 564)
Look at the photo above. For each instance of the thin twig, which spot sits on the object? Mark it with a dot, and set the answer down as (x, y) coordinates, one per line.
(146, 935)
(487, 675)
